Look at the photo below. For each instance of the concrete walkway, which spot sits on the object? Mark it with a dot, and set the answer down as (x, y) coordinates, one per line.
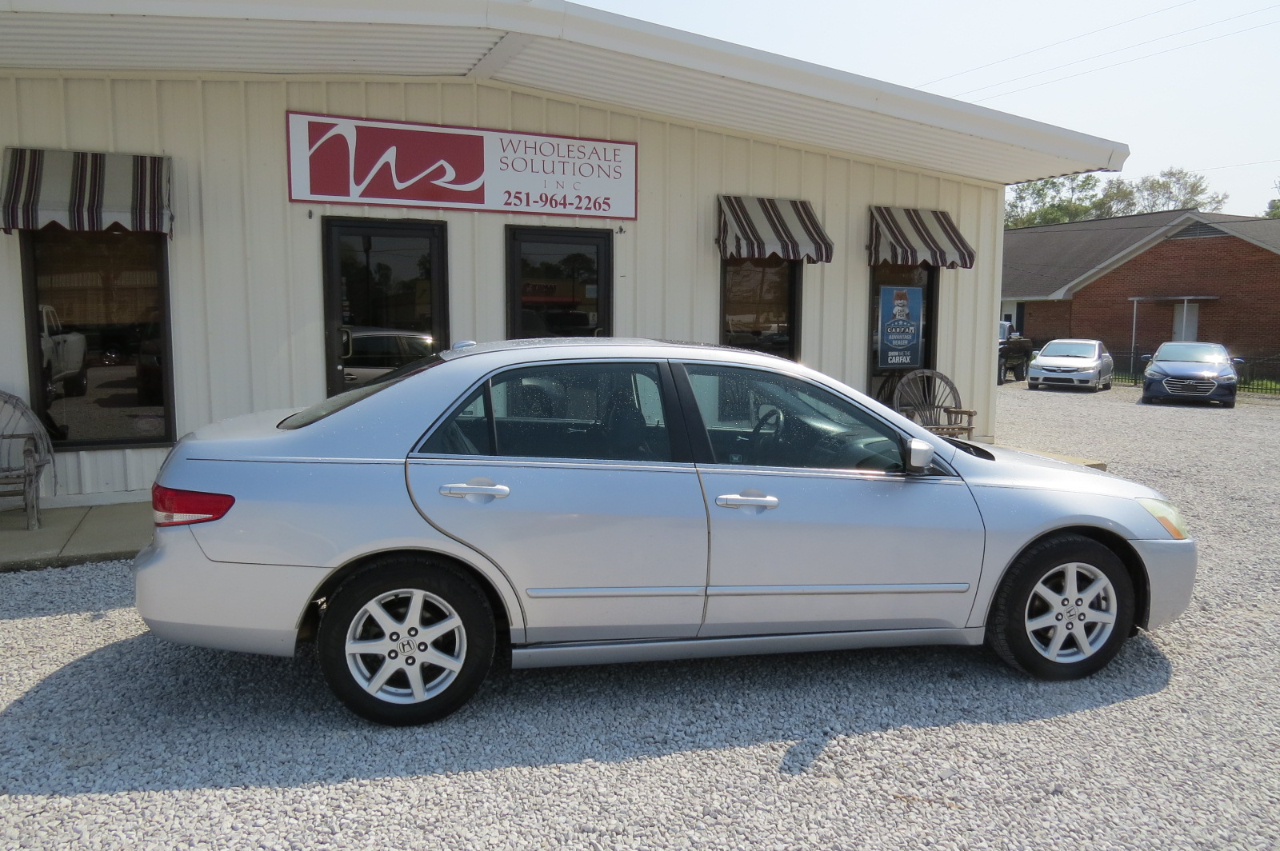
(74, 535)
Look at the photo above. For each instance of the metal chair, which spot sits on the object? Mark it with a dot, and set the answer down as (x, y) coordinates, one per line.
(25, 450)
(931, 399)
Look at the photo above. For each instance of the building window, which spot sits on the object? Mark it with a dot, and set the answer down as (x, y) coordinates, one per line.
(386, 297)
(910, 315)
(98, 336)
(760, 301)
(559, 282)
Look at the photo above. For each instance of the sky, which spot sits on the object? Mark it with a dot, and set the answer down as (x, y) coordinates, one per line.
(1187, 83)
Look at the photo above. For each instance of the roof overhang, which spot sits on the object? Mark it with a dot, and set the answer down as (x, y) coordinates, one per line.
(553, 46)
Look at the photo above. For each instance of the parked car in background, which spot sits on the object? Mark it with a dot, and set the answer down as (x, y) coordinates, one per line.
(1071, 363)
(548, 499)
(373, 352)
(1184, 370)
(64, 357)
(1014, 353)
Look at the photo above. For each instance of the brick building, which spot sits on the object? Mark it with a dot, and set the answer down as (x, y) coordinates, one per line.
(1136, 281)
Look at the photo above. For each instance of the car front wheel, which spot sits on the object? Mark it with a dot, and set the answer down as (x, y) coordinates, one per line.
(1063, 610)
(406, 641)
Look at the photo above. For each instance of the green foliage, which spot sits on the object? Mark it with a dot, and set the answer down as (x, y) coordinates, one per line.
(1078, 197)
(1273, 206)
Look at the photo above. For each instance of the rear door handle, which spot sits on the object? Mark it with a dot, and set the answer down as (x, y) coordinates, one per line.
(461, 490)
(734, 500)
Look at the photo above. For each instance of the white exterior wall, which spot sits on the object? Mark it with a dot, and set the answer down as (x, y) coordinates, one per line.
(245, 271)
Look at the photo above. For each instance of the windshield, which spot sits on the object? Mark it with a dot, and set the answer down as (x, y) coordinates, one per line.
(1060, 349)
(333, 404)
(1192, 353)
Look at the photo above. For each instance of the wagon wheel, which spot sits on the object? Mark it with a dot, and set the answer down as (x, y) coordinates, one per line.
(924, 395)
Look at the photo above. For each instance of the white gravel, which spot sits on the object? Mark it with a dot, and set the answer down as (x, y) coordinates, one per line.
(110, 738)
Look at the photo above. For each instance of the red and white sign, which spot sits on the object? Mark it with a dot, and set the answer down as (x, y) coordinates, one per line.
(336, 160)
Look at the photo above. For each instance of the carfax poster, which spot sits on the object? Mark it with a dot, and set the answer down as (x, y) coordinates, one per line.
(901, 315)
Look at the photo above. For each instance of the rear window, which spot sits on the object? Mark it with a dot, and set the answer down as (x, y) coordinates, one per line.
(333, 404)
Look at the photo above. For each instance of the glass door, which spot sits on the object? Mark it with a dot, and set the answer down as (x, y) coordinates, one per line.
(559, 282)
(386, 297)
(904, 314)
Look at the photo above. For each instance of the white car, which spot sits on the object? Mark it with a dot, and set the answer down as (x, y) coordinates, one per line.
(593, 500)
(64, 357)
(1071, 363)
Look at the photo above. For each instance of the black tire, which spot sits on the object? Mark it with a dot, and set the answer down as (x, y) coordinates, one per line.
(444, 592)
(1032, 386)
(1107, 386)
(47, 387)
(1230, 403)
(1052, 566)
(1020, 371)
(78, 384)
(1001, 369)
(1148, 400)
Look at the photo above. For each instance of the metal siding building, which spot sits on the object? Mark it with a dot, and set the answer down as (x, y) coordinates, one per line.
(245, 264)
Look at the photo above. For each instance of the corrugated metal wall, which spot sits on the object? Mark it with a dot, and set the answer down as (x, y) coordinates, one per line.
(245, 264)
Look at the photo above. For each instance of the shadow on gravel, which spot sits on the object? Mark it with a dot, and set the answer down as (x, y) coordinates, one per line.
(144, 714)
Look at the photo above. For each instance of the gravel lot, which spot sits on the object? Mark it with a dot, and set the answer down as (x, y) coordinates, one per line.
(110, 738)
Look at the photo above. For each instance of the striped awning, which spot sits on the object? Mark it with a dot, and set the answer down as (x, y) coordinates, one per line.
(85, 191)
(901, 235)
(771, 227)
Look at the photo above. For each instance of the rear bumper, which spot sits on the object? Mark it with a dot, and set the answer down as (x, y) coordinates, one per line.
(186, 598)
(1171, 573)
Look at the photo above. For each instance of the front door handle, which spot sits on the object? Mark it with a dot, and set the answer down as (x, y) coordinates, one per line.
(462, 490)
(735, 500)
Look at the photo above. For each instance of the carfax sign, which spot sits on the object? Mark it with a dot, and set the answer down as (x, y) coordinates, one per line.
(337, 160)
(901, 324)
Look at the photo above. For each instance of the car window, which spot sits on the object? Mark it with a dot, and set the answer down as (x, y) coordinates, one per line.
(597, 411)
(762, 418)
(1192, 353)
(418, 347)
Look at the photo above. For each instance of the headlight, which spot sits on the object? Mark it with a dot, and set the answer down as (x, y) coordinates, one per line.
(1227, 377)
(1153, 372)
(1168, 517)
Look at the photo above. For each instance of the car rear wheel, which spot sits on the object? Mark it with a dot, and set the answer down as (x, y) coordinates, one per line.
(406, 641)
(1020, 371)
(1063, 610)
(78, 384)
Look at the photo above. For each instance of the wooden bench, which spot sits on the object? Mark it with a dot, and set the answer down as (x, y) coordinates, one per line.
(25, 450)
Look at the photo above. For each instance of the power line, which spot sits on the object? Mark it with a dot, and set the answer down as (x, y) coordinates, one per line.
(1237, 165)
(1118, 50)
(1126, 62)
(1056, 43)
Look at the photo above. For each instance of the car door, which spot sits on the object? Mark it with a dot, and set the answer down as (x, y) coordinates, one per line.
(814, 525)
(572, 479)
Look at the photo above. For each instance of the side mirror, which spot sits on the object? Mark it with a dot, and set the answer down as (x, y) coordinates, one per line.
(919, 455)
(1035, 353)
(1237, 360)
(1145, 357)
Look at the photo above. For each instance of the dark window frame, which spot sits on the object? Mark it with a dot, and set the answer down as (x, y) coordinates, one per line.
(31, 310)
(602, 238)
(795, 301)
(331, 229)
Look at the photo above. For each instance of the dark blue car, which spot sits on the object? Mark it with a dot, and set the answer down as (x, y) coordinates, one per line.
(1191, 371)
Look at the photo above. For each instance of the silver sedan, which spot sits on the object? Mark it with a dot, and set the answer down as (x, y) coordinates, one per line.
(1071, 363)
(564, 502)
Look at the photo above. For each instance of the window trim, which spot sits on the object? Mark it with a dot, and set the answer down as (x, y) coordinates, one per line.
(602, 238)
(677, 425)
(32, 321)
(331, 294)
(795, 301)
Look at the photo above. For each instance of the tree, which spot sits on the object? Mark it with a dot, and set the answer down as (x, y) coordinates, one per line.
(1077, 197)
(1273, 206)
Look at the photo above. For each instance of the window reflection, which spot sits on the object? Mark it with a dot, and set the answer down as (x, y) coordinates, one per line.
(560, 282)
(760, 305)
(100, 347)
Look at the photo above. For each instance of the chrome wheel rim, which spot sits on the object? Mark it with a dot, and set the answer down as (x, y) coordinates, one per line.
(406, 646)
(1071, 613)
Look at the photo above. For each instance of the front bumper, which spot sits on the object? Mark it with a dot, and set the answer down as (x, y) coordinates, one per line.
(1171, 574)
(1172, 388)
(1048, 378)
(186, 598)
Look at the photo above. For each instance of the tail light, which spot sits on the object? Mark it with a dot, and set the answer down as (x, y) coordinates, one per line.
(178, 508)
